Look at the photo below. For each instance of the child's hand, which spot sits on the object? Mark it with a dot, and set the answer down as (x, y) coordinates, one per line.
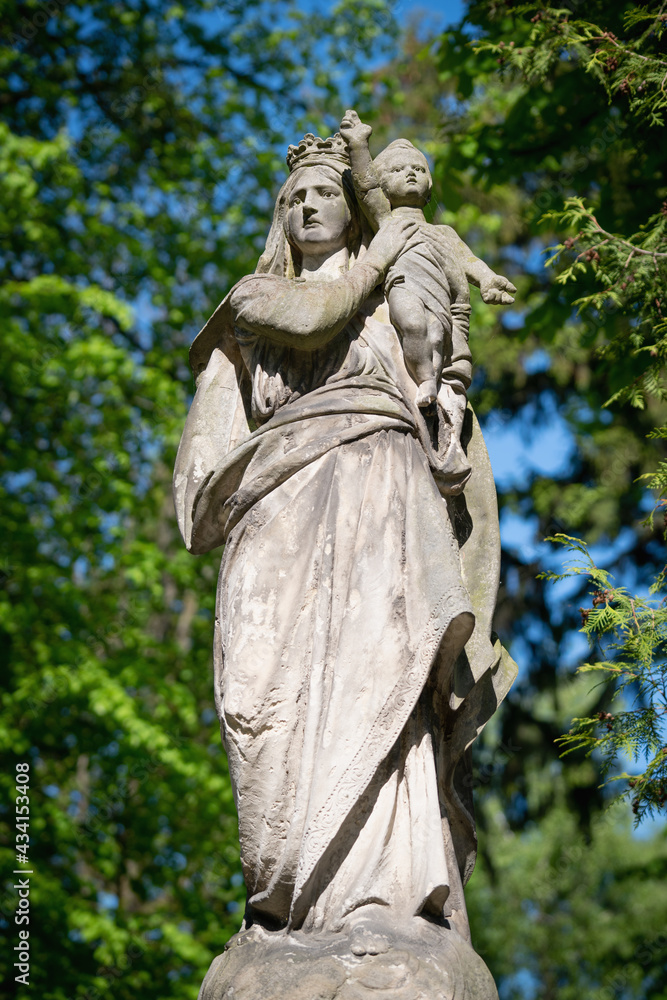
(497, 290)
(391, 238)
(353, 129)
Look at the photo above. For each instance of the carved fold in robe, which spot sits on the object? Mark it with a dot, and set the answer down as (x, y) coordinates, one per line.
(422, 269)
(354, 664)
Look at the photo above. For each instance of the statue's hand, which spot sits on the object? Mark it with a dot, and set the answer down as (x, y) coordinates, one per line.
(497, 290)
(391, 238)
(353, 129)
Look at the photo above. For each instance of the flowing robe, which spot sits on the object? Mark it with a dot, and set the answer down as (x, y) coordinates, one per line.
(354, 663)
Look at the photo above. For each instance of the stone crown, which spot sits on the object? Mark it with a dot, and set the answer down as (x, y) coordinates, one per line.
(313, 149)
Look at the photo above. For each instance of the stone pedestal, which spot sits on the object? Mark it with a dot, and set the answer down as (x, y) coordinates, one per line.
(429, 964)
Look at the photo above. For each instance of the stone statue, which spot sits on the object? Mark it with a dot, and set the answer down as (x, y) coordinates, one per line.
(427, 287)
(354, 658)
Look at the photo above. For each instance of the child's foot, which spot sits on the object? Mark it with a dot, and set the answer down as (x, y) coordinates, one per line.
(363, 941)
(427, 393)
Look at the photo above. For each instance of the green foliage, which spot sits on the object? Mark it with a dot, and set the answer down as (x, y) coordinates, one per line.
(581, 151)
(632, 273)
(140, 150)
(505, 162)
(632, 66)
(610, 273)
(565, 901)
(628, 270)
(631, 633)
(583, 913)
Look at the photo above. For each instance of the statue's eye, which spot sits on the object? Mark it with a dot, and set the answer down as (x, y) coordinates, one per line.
(295, 201)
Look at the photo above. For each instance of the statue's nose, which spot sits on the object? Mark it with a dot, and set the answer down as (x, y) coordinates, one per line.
(308, 210)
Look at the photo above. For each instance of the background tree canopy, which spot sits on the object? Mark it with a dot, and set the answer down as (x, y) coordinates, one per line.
(142, 145)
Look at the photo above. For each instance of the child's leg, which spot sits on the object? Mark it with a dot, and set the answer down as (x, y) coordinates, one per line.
(457, 371)
(408, 315)
(453, 397)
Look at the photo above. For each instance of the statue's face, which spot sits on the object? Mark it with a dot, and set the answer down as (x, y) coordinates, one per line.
(406, 179)
(318, 216)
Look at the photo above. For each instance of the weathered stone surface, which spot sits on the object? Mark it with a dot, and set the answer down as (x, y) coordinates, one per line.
(261, 966)
(427, 286)
(331, 448)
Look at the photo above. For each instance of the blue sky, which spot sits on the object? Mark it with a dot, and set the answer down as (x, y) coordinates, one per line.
(443, 13)
(438, 13)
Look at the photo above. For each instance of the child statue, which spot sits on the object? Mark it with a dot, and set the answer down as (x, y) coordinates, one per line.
(427, 288)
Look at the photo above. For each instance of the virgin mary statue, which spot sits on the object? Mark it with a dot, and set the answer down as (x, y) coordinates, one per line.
(354, 659)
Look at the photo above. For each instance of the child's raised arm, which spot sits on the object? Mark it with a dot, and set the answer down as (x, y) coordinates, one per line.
(372, 198)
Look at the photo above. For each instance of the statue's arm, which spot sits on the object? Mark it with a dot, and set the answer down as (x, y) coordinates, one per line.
(308, 314)
(494, 287)
(476, 271)
(373, 200)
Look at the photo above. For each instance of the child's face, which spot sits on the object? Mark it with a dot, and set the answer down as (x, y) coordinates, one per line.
(405, 178)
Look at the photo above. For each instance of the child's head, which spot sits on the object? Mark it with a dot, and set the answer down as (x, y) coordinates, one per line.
(404, 174)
